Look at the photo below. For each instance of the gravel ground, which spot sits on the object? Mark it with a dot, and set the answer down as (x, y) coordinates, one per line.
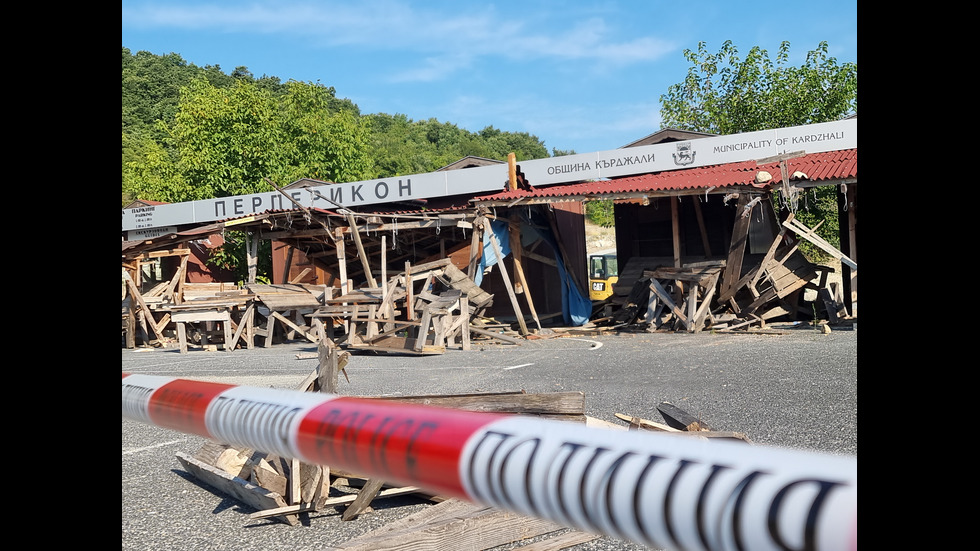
(797, 389)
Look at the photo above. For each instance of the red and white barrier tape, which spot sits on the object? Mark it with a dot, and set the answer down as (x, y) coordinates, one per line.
(654, 489)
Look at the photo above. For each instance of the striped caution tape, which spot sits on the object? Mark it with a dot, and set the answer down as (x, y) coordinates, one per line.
(654, 489)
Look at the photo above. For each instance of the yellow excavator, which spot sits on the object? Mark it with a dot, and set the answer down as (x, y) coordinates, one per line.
(603, 272)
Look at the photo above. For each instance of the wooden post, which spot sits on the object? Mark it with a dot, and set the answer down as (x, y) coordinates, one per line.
(252, 245)
(676, 227)
(476, 247)
(464, 312)
(384, 268)
(289, 262)
(503, 273)
(365, 265)
(342, 261)
(409, 291)
(515, 251)
(736, 250)
(327, 376)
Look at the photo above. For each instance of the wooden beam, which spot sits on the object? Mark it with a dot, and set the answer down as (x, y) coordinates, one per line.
(515, 250)
(168, 252)
(147, 315)
(409, 291)
(675, 225)
(252, 246)
(503, 273)
(811, 236)
(476, 247)
(339, 500)
(493, 335)
(365, 265)
(736, 250)
(248, 493)
(363, 499)
(310, 336)
(646, 423)
(288, 264)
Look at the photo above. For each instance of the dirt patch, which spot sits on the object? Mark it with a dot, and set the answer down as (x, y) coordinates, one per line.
(599, 239)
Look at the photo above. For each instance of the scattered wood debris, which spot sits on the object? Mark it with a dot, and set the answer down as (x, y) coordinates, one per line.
(679, 422)
(397, 318)
(723, 295)
(283, 489)
(401, 316)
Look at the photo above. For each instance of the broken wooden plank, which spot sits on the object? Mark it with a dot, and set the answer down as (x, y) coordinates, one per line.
(363, 499)
(301, 330)
(356, 233)
(244, 491)
(505, 276)
(265, 474)
(339, 500)
(645, 423)
(515, 252)
(394, 344)
(811, 236)
(494, 335)
(736, 250)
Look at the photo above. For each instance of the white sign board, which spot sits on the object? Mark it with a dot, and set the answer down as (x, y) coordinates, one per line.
(813, 138)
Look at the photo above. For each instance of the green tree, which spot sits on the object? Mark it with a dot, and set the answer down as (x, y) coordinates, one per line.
(724, 94)
(601, 212)
(399, 145)
(227, 141)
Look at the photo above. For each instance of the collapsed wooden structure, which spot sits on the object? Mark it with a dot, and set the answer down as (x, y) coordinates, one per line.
(730, 294)
(422, 308)
(445, 311)
(688, 267)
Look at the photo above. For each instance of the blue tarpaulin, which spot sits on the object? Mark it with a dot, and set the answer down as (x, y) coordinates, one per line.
(575, 308)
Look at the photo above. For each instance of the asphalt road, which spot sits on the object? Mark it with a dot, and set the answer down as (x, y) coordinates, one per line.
(797, 389)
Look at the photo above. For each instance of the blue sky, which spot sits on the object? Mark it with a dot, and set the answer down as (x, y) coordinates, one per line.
(582, 76)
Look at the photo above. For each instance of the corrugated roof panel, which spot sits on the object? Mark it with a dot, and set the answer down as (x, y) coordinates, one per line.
(832, 165)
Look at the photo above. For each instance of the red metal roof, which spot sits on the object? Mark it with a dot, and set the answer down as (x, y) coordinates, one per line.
(831, 165)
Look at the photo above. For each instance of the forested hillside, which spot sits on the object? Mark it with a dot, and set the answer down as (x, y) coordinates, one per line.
(192, 132)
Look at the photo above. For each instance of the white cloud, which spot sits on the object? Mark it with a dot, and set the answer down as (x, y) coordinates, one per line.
(400, 27)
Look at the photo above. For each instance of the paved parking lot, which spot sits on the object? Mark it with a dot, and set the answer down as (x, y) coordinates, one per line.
(797, 389)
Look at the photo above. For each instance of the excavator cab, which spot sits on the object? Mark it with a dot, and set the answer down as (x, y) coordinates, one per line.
(603, 272)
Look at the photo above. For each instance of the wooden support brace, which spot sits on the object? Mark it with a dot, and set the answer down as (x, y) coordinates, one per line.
(664, 296)
(506, 278)
(363, 500)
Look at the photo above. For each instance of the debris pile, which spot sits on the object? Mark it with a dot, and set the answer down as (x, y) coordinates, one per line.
(724, 295)
(284, 490)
